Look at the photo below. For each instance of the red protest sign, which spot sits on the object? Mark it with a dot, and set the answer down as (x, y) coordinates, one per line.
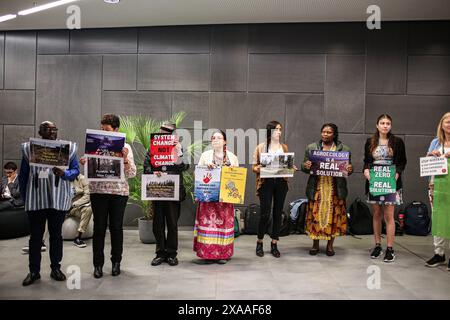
(162, 150)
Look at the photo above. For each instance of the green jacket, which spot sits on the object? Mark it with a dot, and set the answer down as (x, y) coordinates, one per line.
(341, 183)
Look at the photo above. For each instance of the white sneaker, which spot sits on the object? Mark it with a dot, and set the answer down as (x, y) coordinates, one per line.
(79, 243)
(26, 249)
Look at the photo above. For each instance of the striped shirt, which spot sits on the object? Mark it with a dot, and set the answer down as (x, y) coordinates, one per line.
(42, 192)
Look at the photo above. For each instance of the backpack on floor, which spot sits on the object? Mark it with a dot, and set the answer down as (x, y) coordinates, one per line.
(299, 224)
(286, 225)
(297, 219)
(251, 219)
(359, 218)
(236, 223)
(417, 220)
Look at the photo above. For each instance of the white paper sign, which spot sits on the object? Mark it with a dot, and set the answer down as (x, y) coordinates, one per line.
(433, 166)
(164, 188)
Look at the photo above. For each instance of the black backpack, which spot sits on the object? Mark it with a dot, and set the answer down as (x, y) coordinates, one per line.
(251, 219)
(359, 218)
(286, 225)
(298, 225)
(417, 219)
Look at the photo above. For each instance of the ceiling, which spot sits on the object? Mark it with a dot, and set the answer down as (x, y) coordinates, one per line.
(132, 13)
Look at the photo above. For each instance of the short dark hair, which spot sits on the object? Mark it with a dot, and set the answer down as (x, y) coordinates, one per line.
(10, 166)
(335, 131)
(111, 119)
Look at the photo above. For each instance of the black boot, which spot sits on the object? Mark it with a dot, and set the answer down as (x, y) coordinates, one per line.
(98, 272)
(57, 275)
(274, 250)
(31, 278)
(259, 249)
(115, 269)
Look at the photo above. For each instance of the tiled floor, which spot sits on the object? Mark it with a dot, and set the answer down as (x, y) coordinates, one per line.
(296, 275)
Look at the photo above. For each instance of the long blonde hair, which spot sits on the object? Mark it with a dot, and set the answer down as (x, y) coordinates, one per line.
(440, 131)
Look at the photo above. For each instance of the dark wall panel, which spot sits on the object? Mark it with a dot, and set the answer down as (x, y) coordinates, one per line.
(185, 39)
(411, 114)
(53, 42)
(429, 75)
(20, 60)
(178, 72)
(154, 104)
(429, 37)
(17, 107)
(229, 58)
(2, 58)
(119, 72)
(337, 38)
(386, 59)
(345, 92)
(13, 137)
(103, 41)
(69, 93)
(286, 73)
(195, 105)
(240, 110)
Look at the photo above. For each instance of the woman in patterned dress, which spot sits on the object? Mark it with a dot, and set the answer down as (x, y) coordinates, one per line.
(326, 211)
(214, 222)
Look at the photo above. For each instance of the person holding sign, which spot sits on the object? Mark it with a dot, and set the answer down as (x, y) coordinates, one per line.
(47, 195)
(439, 193)
(382, 151)
(214, 221)
(166, 212)
(326, 211)
(270, 188)
(108, 202)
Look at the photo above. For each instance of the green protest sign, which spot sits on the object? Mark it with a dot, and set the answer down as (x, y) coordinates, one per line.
(382, 180)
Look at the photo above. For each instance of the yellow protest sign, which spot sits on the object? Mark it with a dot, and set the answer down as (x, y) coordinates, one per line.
(232, 185)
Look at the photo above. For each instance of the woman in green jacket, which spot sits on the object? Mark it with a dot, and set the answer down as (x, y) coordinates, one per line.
(326, 212)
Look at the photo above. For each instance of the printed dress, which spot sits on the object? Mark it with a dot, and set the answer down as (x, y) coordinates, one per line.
(214, 222)
(326, 214)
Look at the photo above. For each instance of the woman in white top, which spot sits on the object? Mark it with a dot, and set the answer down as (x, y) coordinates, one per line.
(439, 195)
(214, 222)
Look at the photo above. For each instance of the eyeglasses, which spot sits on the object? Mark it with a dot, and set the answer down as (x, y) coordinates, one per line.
(51, 129)
(9, 171)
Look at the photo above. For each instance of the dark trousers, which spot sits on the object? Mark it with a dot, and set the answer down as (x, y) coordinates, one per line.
(166, 212)
(6, 204)
(275, 188)
(38, 219)
(107, 207)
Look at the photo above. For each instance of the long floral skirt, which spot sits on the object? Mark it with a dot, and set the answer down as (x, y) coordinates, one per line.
(326, 215)
(214, 230)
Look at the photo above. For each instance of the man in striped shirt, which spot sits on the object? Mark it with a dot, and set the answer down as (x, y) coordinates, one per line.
(47, 196)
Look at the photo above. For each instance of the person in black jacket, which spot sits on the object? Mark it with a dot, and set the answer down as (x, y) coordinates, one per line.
(167, 211)
(383, 148)
(9, 189)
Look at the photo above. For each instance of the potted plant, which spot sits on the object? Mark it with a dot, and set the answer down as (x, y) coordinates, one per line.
(138, 130)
